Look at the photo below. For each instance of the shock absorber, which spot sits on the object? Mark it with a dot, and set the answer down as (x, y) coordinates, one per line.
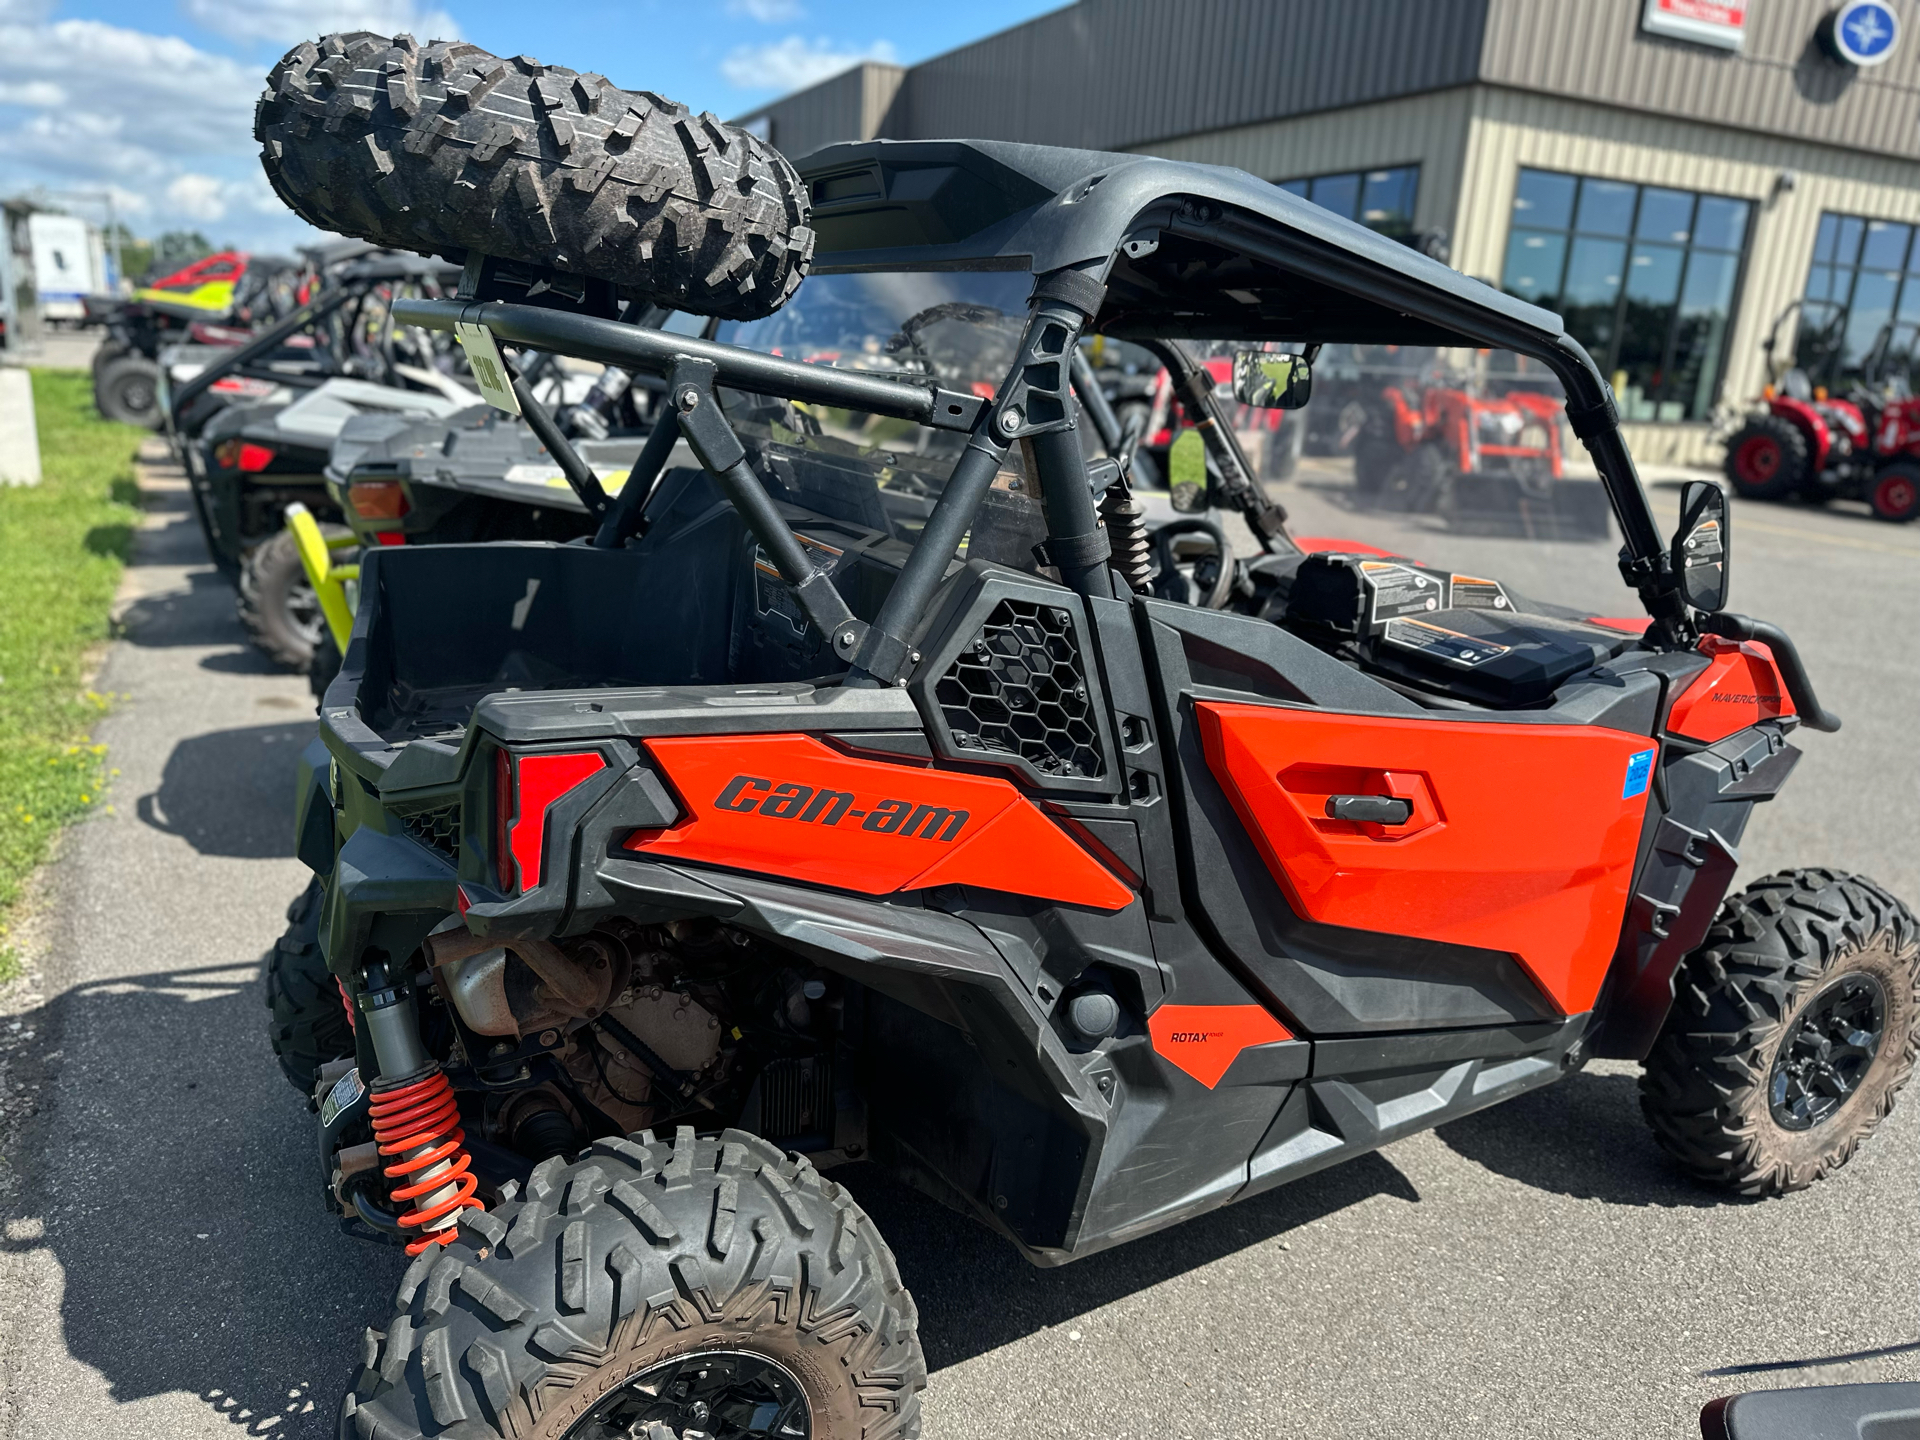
(416, 1119)
(1127, 533)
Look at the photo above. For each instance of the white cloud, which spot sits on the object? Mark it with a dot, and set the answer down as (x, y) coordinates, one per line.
(39, 93)
(198, 197)
(167, 127)
(794, 63)
(287, 22)
(767, 12)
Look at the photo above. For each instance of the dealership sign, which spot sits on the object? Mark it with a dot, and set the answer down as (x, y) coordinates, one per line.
(1705, 22)
(1863, 32)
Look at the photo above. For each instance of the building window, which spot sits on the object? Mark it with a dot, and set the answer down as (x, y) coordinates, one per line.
(1862, 304)
(1643, 276)
(1379, 199)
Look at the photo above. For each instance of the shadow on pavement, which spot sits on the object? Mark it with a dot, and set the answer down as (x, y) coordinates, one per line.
(976, 1293)
(202, 616)
(180, 1197)
(231, 792)
(1583, 1137)
(248, 661)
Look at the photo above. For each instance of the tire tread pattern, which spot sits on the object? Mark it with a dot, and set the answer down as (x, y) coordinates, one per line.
(445, 147)
(740, 1241)
(1771, 946)
(309, 1024)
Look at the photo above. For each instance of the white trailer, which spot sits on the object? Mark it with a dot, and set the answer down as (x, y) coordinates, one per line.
(64, 271)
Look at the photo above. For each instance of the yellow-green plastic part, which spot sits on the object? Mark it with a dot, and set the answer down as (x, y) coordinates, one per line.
(316, 558)
(1187, 471)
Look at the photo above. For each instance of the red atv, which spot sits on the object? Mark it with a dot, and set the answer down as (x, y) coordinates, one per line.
(1866, 447)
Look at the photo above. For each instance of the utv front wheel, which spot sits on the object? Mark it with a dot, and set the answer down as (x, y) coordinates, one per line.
(1793, 1028)
(710, 1286)
(128, 390)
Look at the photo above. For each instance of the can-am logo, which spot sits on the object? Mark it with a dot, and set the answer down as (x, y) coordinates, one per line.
(789, 800)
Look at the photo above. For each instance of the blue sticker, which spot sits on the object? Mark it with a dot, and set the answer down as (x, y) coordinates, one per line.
(1639, 771)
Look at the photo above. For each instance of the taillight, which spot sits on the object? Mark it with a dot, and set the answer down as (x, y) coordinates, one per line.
(378, 499)
(526, 787)
(242, 455)
(241, 385)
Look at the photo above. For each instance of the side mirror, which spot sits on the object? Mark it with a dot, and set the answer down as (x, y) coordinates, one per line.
(1187, 473)
(1270, 381)
(1700, 545)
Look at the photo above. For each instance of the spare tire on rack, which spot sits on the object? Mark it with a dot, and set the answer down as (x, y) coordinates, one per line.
(444, 148)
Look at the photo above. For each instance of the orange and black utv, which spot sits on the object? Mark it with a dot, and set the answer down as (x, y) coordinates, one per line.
(850, 795)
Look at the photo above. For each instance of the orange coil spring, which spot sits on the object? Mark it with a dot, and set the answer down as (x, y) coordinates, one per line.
(423, 1116)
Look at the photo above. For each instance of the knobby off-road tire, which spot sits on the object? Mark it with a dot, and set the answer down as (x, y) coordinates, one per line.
(128, 390)
(1767, 459)
(446, 147)
(276, 601)
(639, 1252)
(309, 1024)
(324, 666)
(1786, 950)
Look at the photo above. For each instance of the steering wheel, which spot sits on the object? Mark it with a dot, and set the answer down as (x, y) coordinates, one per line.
(908, 335)
(1221, 590)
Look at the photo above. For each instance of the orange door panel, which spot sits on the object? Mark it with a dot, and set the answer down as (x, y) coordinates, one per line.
(791, 807)
(1518, 838)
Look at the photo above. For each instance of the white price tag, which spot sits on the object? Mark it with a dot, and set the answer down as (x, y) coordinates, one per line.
(489, 370)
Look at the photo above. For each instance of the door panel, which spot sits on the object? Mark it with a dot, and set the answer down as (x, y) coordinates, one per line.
(1517, 838)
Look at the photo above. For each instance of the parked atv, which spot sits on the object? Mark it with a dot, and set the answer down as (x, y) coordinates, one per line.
(214, 301)
(845, 797)
(254, 425)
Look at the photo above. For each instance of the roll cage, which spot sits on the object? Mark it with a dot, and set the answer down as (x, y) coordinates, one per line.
(1133, 247)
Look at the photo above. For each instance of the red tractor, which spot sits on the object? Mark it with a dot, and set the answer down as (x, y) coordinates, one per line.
(1486, 455)
(1804, 442)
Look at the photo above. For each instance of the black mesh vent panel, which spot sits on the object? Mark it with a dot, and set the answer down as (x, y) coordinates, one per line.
(438, 830)
(1021, 689)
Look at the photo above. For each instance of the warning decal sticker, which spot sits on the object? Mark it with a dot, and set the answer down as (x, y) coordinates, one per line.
(1469, 592)
(1395, 590)
(1441, 643)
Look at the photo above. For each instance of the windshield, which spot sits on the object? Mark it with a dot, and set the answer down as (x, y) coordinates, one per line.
(958, 328)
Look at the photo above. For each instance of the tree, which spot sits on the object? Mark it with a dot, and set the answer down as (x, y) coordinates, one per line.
(178, 248)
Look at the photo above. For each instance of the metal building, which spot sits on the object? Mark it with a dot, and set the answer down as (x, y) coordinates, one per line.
(1670, 175)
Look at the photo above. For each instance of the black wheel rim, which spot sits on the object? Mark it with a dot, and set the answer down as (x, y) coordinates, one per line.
(712, 1395)
(303, 611)
(1828, 1052)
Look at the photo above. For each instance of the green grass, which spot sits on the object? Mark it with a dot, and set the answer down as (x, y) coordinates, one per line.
(62, 545)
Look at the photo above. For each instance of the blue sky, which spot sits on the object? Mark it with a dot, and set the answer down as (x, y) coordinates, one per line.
(153, 99)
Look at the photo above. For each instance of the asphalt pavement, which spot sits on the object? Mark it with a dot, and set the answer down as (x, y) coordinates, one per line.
(1535, 1270)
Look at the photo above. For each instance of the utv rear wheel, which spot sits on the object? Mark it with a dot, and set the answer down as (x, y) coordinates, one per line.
(1894, 493)
(709, 1286)
(324, 666)
(1767, 459)
(1793, 1028)
(128, 390)
(277, 603)
(309, 1025)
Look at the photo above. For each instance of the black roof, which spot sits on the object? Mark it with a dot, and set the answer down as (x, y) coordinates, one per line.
(1197, 250)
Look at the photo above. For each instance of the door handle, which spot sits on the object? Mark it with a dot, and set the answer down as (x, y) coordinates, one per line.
(1373, 809)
